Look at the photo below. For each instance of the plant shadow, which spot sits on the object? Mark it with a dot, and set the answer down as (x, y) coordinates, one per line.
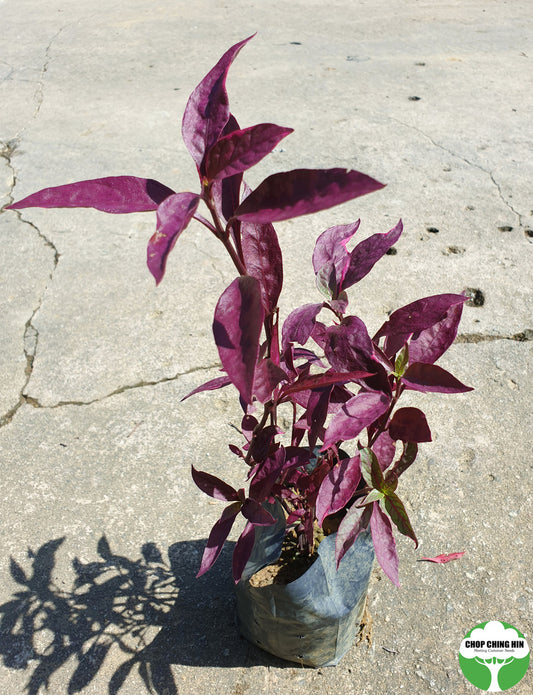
(151, 609)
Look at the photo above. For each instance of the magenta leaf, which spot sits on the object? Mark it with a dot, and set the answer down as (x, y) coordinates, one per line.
(242, 551)
(237, 329)
(303, 191)
(207, 110)
(267, 376)
(356, 414)
(349, 346)
(299, 324)
(330, 256)
(445, 557)
(256, 514)
(217, 537)
(384, 544)
(419, 315)
(263, 261)
(397, 513)
(338, 487)
(214, 487)
(173, 216)
(211, 385)
(367, 253)
(409, 425)
(241, 149)
(266, 475)
(115, 194)
(319, 381)
(428, 345)
(432, 378)
(355, 521)
(384, 447)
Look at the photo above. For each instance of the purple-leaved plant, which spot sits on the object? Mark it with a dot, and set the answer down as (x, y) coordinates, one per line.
(349, 391)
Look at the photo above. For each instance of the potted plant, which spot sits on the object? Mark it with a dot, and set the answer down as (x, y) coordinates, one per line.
(325, 489)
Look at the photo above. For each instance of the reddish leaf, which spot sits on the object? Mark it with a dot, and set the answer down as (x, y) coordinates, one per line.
(445, 557)
(384, 448)
(207, 110)
(349, 346)
(263, 261)
(432, 378)
(367, 253)
(241, 149)
(173, 216)
(214, 487)
(330, 254)
(302, 191)
(217, 537)
(410, 451)
(115, 194)
(428, 345)
(237, 328)
(356, 414)
(409, 425)
(256, 514)
(355, 521)
(384, 544)
(419, 315)
(267, 376)
(317, 381)
(299, 324)
(398, 514)
(266, 475)
(338, 487)
(211, 385)
(242, 551)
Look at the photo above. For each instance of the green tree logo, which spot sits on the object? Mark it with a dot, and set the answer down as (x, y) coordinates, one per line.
(494, 656)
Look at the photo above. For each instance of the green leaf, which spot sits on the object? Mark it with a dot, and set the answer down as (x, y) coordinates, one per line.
(373, 496)
(402, 361)
(371, 470)
(397, 513)
(390, 484)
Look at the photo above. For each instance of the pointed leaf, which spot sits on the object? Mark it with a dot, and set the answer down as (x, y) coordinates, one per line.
(356, 414)
(267, 376)
(349, 346)
(367, 253)
(338, 487)
(330, 247)
(445, 557)
(241, 149)
(303, 191)
(266, 475)
(17, 572)
(419, 315)
(213, 486)
(428, 345)
(398, 514)
(242, 551)
(317, 381)
(410, 451)
(256, 514)
(115, 194)
(217, 537)
(409, 425)
(173, 216)
(384, 447)
(384, 544)
(355, 521)
(207, 110)
(263, 261)
(237, 329)
(432, 378)
(299, 324)
(211, 385)
(370, 469)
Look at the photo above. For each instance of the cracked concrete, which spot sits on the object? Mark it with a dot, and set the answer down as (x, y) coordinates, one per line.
(431, 99)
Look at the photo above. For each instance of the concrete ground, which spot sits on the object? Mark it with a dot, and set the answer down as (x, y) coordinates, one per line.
(101, 527)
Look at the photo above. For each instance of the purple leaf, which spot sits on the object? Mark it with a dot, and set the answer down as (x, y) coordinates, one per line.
(432, 378)
(242, 551)
(330, 251)
(445, 557)
(409, 425)
(356, 414)
(115, 194)
(338, 487)
(173, 216)
(226, 192)
(241, 149)
(267, 376)
(303, 191)
(319, 381)
(384, 448)
(409, 454)
(266, 475)
(214, 487)
(256, 514)
(237, 329)
(299, 324)
(355, 521)
(211, 385)
(384, 544)
(419, 315)
(217, 537)
(349, 346)
(263, 261)
(366, 254)
(428, 345)
(207, 110)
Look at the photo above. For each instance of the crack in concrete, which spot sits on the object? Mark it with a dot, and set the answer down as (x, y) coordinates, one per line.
(522, 337)
(466, 161)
